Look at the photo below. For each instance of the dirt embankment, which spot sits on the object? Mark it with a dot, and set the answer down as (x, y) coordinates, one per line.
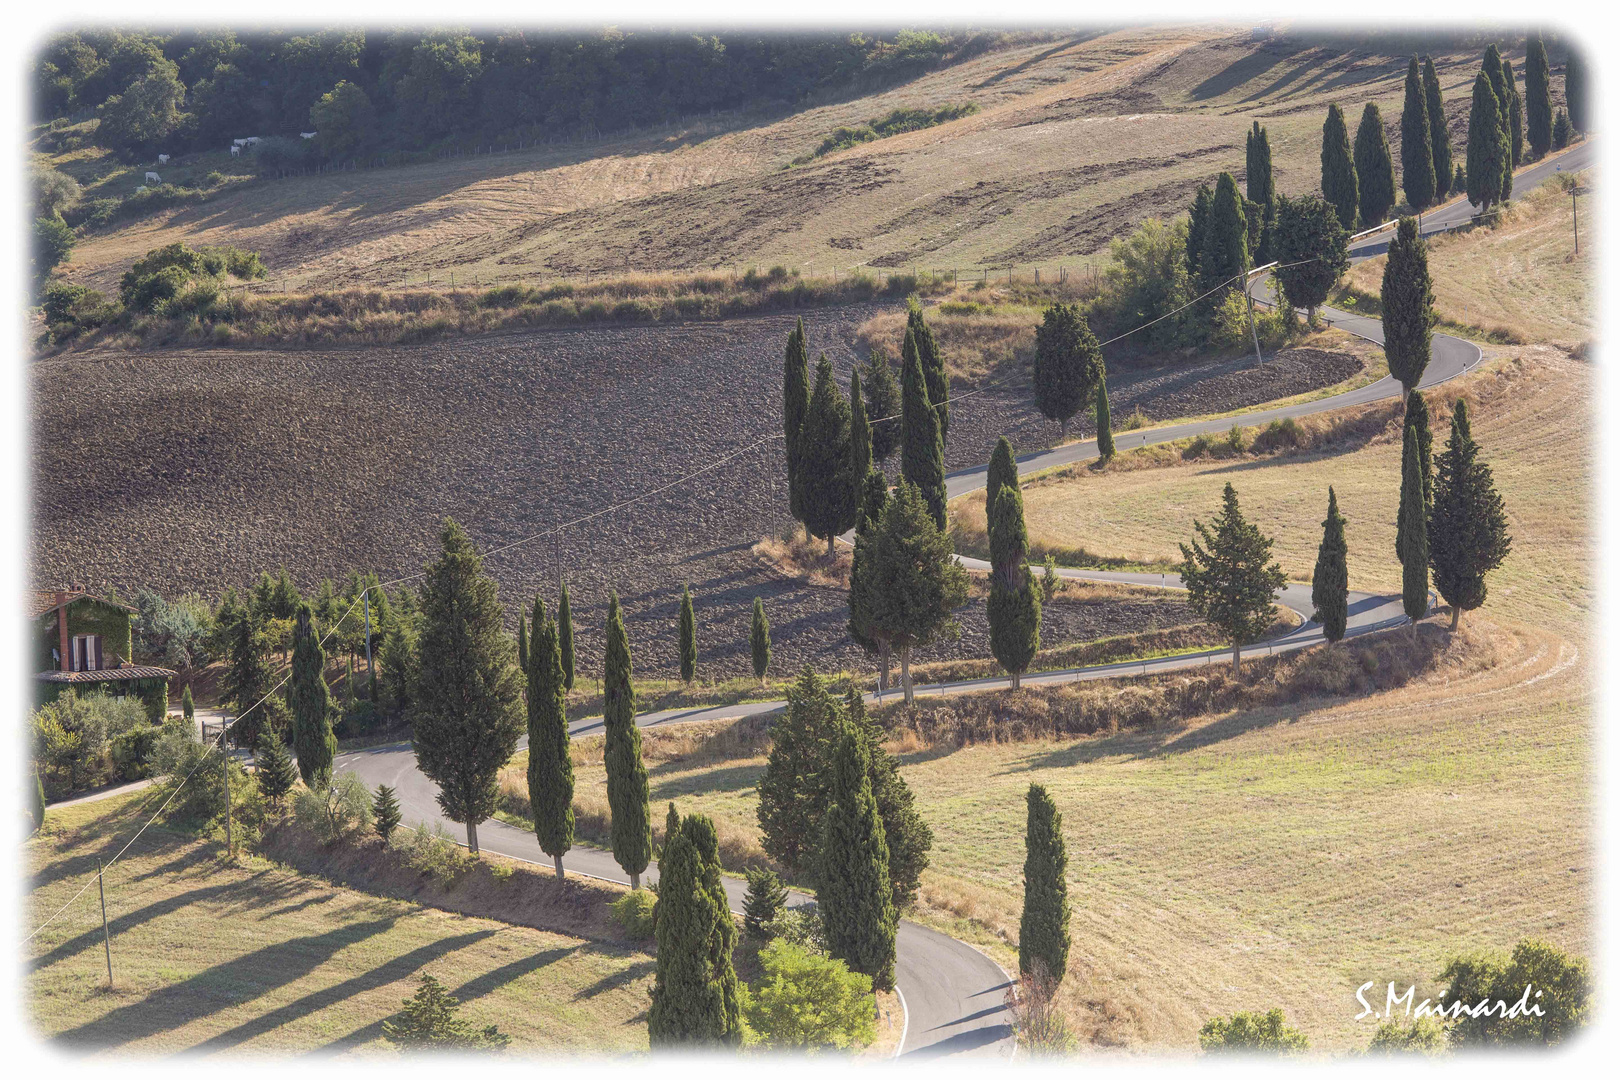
(197, 469)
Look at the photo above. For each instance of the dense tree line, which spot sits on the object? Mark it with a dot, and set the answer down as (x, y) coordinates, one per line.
(380, 90)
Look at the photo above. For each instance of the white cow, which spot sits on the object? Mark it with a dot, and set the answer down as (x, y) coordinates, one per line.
(236, 151)
(153, 178)
(163, 159)
(306, 134)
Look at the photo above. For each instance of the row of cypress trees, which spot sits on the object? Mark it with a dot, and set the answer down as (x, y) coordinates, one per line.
(1359, 182)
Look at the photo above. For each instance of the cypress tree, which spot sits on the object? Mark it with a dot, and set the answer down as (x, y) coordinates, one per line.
(1493, 74)
(688, 637)
(1417, 418)
(1538, 109)
(852, 869)
(1105, 422)
(1339, 183)
(1408, 300)
(1412, 533)
(1439, 134)
(688, 1004)
(469, 715)
(1068, 364)
(1562, 131)
(1013, 607)
(1229, 579)
(1330, 584)
(1469, 536)
(1043, 932)
(922, 456)
(700, 830)
(523, 646)
(882, 406)
(1226, 243)
(565, 638)
(551, 767)
(862, 585)
(765, 900)
(1576, 91)
(274, 767)
(793, 788)
(187, 709)
(385, 812)
(827, 489)
(795, 403)
(909, 838)
(1417, 151)
(36, 802)
(860, 436)
(1257, 165)
(933, 365)
(1198, 228)
(1375, 173)
(311, 703)
(917, 582)
(759, 641)
(1515, 106)
(626, 774)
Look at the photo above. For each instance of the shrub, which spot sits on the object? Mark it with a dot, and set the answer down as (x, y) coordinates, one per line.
(73, 737)
(53, 242)
(339, 812)
(1559, 983)
(430, 850)
(799, 926)
(634, 912)
(132, 751)
(1282, 434)
(429, 1021)
(1036, 1018)
(1251, 1033)
(808, 1001)
(1423, 1036)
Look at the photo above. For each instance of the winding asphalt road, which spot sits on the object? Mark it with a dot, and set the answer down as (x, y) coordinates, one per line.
(954, 995)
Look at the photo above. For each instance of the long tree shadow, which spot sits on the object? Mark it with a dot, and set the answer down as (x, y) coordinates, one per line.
(220, 987)
(616, 981)
(733, 778)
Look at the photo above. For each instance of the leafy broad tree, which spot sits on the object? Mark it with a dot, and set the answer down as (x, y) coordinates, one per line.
(1561, 985)
(1043, 932)
(1252, 1033)
(628, 792)
(311, 704)
(809, 1002)
(1330, 583)
(1408, 301)
(1468, 535)
(916, 582)
(1439, 133)
(1068, 364)
(922, 454)
(882, 392)
(470, 714)
(828, 491)
(1312, 250)
(852, 868)
(1340, 185)
(1229, 577)
(1417, 149)
(1412, 533)
(759, 641)
(551, 767)
(1375, 172)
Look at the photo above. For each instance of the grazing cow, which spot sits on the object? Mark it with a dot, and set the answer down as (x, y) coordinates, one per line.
(152, 178)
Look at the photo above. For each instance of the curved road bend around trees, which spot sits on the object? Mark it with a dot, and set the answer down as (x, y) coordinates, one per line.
(953, 993)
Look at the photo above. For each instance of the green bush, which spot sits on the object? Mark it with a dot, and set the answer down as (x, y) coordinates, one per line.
(429, 1021)
(808, 1001)
(1282, 434)
(1559, 983)
(634, 911)
(801, 927)
(72, 738)
(1424, 1036)
(53, 242)
(430, 850)
(341, 811)
(1251, 1033)
(132, 751)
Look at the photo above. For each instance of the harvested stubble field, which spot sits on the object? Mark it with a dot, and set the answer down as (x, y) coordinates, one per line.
(1078, 137)
(222, 464)
(212, 958)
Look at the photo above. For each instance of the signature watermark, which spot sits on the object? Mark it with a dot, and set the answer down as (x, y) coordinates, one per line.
(1441, 1010)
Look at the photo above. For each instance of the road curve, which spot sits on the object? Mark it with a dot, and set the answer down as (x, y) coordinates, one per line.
(953, 993)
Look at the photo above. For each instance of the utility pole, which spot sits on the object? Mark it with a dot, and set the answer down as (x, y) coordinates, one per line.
(558, 561)
(1576, 211)
(106, 935)
(1249, 296)
(371, 676)
(225, 760)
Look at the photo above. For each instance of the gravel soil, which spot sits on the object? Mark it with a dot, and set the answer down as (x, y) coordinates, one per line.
(191, 470)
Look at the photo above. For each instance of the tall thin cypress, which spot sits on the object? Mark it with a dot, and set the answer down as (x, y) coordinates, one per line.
(688, 1005)
(551, 765)
(1408, 301)
(1469, 537)
(1375, 173)
(933, 365)
(1330, 583)
(311, 703)
(1226, 244)
(1257, 162)
(689, 648)
(1515, 106)
(1043, 932)
(1577, 94)
(1494, 73)
(1538, 109)
(1198, 228)
(922, 455)
(565, 637)
(1003, 469)
(882, 392)
(187, 708)
(1013, 606)
(1412, 533)
(759, 641)
(828, 491)
(1339, 185)
(523, 646)
(1417, 418)
(700, 830)
(627, 788)
(1105, 422)
(1417, 151)
(864, 588)
(1488, 151)
(853, 889)
(1439, 134)
(795, 402)
(860, 434)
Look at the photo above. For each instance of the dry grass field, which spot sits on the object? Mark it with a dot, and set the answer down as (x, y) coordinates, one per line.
(1076, 140)
(212, 958)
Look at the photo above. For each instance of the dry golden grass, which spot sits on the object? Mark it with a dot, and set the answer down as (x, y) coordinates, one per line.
(211, 957)
(795, 554)
(1520, 277)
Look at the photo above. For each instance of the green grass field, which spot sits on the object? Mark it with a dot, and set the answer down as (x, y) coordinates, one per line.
(213, 958)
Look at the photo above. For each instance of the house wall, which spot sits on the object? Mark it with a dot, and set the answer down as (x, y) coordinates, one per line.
(86, 616)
